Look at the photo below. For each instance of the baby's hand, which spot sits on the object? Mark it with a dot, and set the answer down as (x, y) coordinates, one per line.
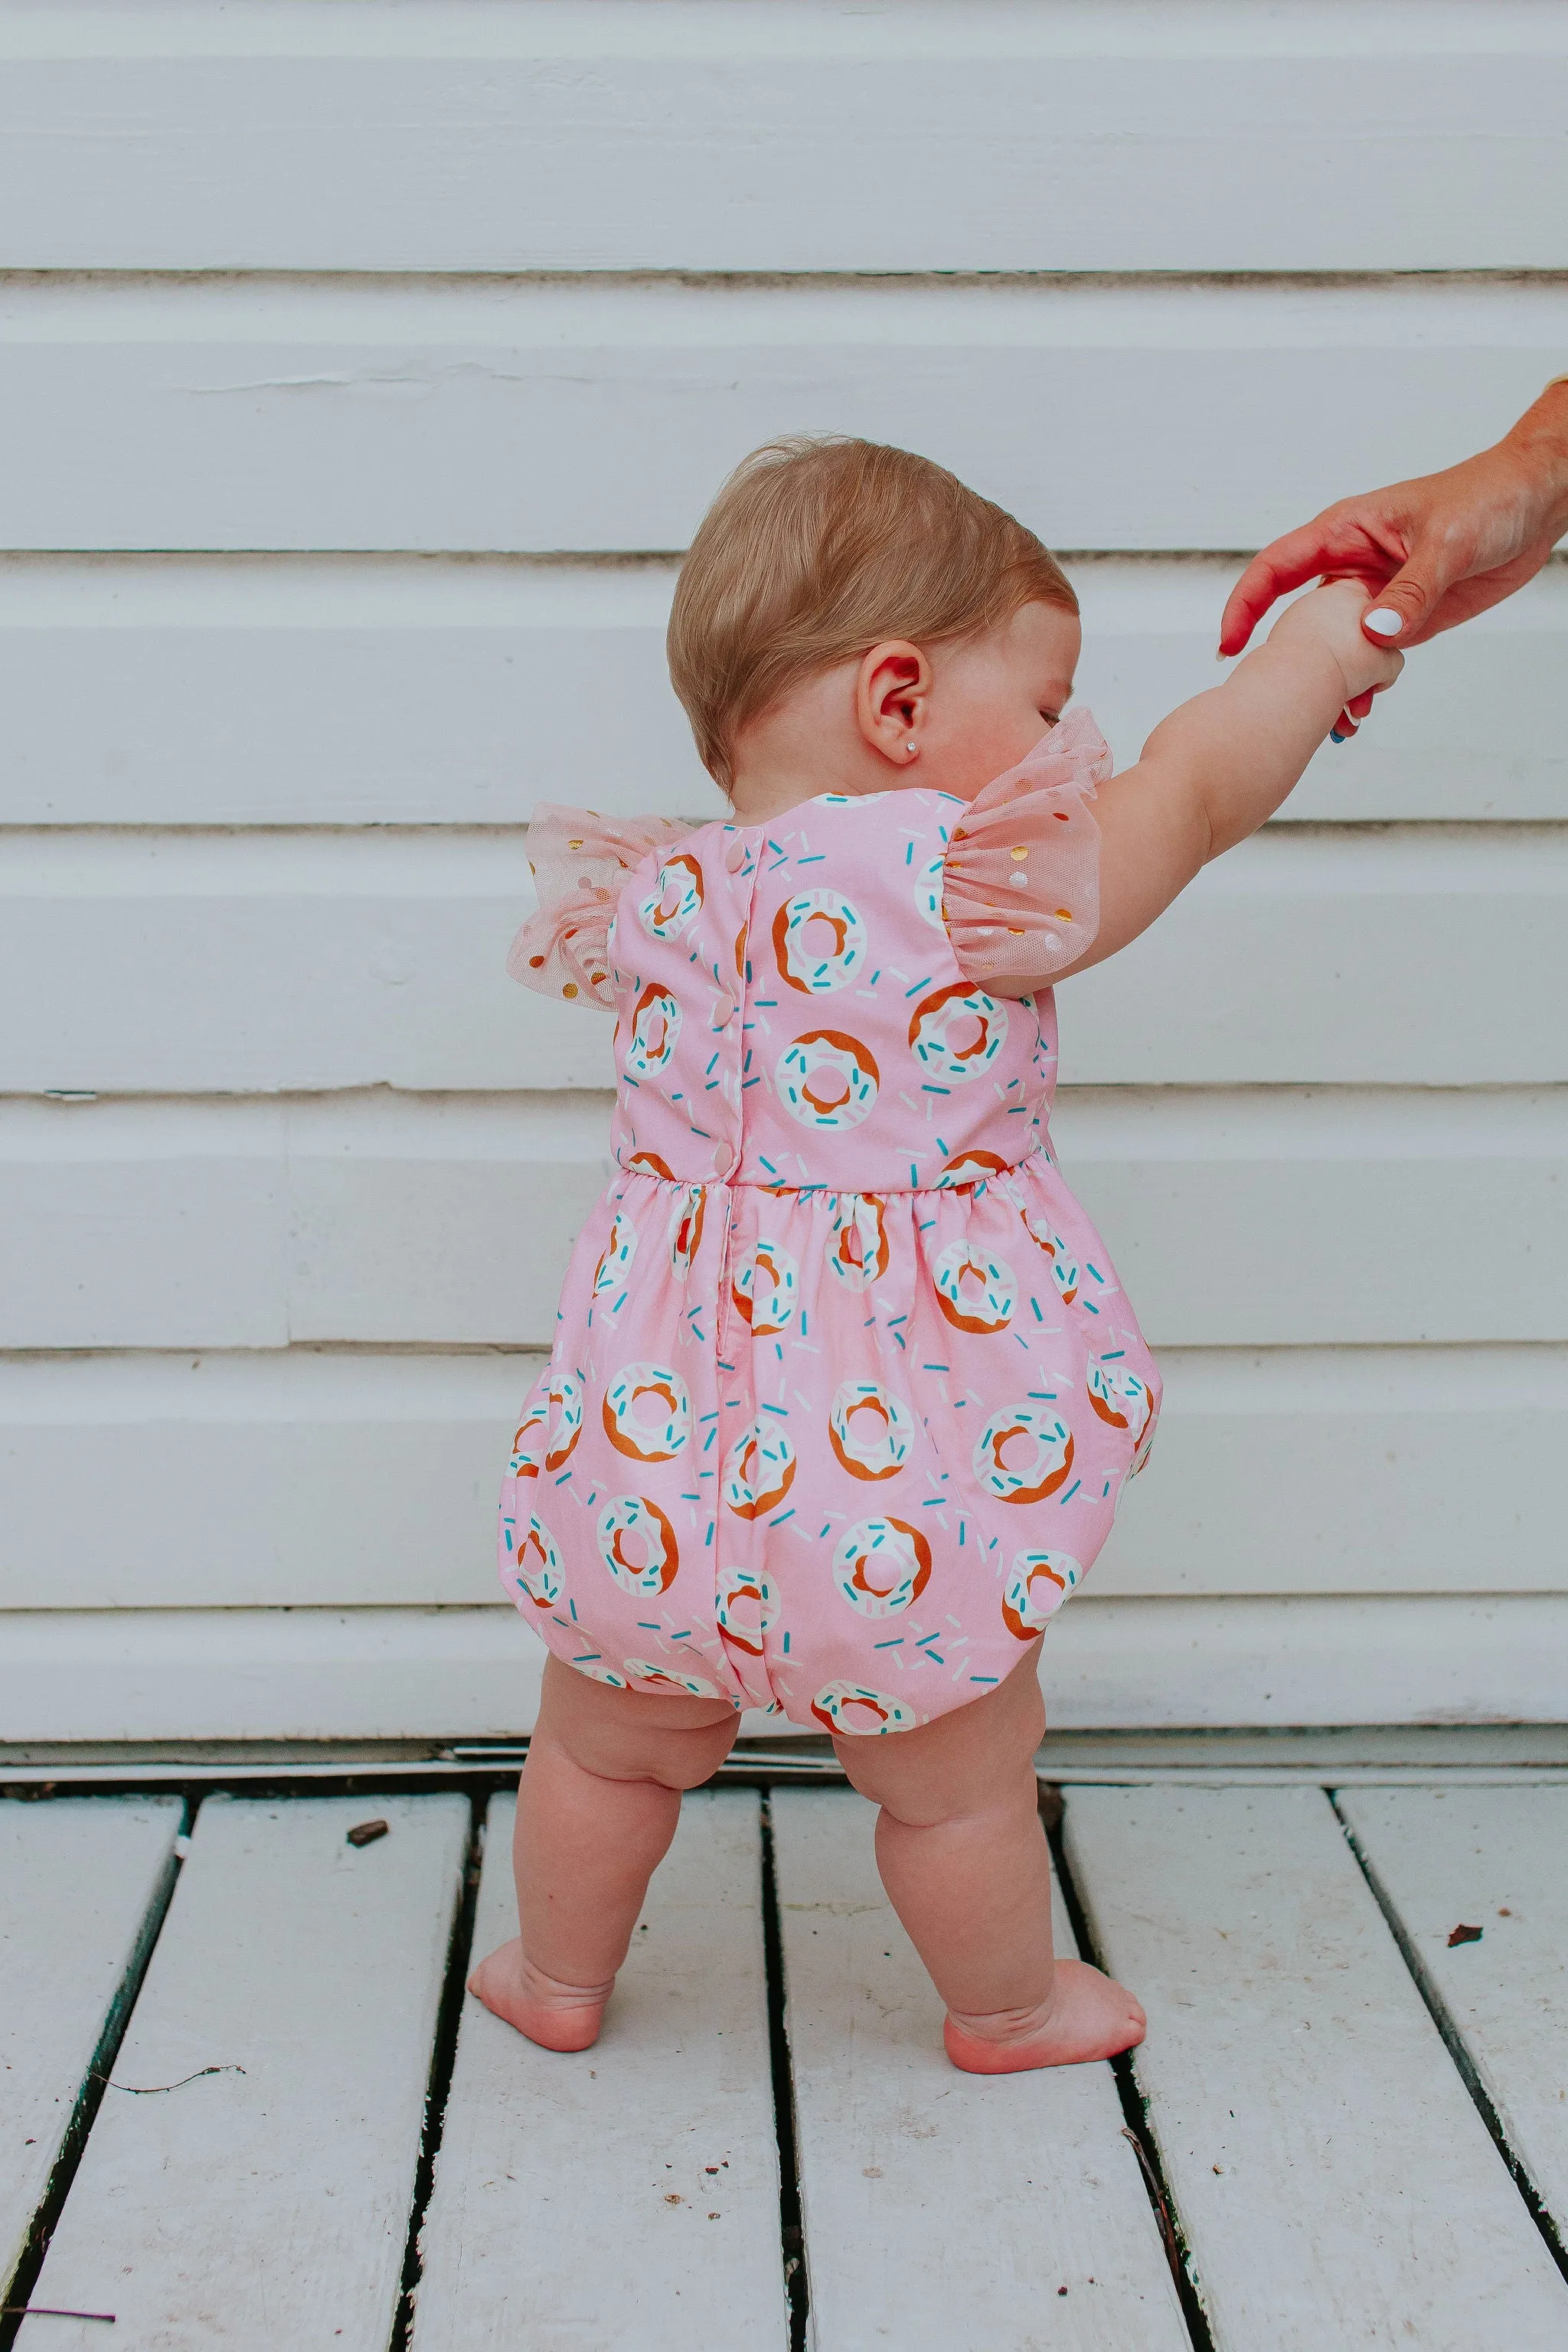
(1329, 617)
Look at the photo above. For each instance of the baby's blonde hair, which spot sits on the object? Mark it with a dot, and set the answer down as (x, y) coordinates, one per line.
(819, 546)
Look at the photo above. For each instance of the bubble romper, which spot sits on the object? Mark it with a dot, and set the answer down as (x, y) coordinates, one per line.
(844, 1391)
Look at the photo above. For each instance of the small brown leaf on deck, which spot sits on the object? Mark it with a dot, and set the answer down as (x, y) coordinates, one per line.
(367, 1832)
(1463, 1934)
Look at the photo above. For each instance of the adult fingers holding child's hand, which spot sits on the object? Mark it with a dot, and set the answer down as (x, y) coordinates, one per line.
(1331, 615)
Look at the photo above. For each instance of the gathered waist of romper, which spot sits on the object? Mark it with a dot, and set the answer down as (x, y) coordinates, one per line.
(972, 1173)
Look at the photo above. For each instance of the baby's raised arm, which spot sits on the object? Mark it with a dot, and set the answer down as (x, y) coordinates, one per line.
(1220, 764)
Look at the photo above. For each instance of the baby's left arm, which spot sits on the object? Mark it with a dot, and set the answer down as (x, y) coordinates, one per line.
(1220, 764)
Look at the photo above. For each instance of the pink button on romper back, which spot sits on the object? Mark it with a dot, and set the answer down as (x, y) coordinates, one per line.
(844, 1391)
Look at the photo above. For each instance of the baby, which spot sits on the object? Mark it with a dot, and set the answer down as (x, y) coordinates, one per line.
(844, 1391)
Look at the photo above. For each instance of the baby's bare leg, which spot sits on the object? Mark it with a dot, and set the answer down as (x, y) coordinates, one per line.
(963, 1859)
(596, 1809)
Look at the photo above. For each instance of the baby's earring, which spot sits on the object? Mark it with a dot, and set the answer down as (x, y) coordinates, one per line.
(913, 747)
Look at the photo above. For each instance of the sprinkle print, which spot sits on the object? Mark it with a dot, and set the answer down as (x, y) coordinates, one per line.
(844, 1392)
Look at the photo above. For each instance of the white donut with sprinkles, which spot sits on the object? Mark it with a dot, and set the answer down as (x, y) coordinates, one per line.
(883, 1566)
(747, 1610)
(615, 1258)
(974, 1290)
(1037, 1584)
(532, 1433)
(646, 1412)
(1064, 1265)
(565, 1418)
(966, 1168)
(1120, 1398)
(958, 1033)
(759, 1471)
(665, 1679)
(655, 1025)
(685, 1220)
(763, 1288)
(636, 1544)
(828, 1079)
(871, 1429)
(858, 1247)
(1024, 1453)
(676, 900)
(540, 1575)
(929, 880)
(597, 1669)
(820, 941)
(853, 1712)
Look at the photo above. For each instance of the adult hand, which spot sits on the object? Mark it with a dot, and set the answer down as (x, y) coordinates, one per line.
(1434, 552)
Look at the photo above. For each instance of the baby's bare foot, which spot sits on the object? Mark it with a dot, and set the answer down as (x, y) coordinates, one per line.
(1087, 2015)
(557, 2016)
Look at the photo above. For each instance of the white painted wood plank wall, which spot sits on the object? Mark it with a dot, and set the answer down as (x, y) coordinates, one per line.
(374, 365)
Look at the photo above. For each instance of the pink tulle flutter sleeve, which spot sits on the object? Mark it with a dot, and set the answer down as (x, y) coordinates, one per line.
(1021, 882)
(580, 862)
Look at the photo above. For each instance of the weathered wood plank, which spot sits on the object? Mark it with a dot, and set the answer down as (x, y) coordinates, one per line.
(718, 138)
(268, 2204)
(370, 1479)
(1490, 1858)
(1235, 1220)
(201, 413)
(180, 963)
(1335, 2182)
(941, 2211)
(629, 2193)
(309, 690)
(1143, 1663)
(80, 1881)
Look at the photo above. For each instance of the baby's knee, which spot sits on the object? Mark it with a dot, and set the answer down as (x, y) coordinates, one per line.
(687, 1757)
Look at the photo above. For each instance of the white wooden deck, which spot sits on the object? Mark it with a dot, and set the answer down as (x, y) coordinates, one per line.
(246, 2103)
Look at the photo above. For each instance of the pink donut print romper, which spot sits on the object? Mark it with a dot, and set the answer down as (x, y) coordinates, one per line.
(844, 1391)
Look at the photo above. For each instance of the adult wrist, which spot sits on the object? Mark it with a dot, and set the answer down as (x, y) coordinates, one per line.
(1541, 439)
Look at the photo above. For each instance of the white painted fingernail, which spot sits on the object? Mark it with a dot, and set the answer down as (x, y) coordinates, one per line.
(1383, 622)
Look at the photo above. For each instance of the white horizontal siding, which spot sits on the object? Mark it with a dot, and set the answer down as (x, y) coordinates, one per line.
(782, 136)
(318, 557)
(492, 416)
(310, 1477)
(157, 1675)
(181, 962)
(324, 690)
(1263, 1219)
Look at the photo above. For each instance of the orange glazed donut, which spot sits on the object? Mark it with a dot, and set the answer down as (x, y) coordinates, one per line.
(854, 1712)
(828, 1079)
(883, 1566)
(820, 941)
(759, 1471)
(565, 1418)
(665, 1679)
(529, 1443)
(857, 1248)
(636, 1544)
(1064, 1265)
(869, 1430)
(1031, 1429)
(958, 1033)
(975, 1291)
(615, 1256)
(539, 1570)
(676, 900)
(646, 1412)
(971, 1168)
(686, 1221)
(655, 1027)
(748, 1609)
(1037, 1584)
(763, 1288)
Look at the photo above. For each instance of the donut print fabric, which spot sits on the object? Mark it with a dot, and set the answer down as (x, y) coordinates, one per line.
(844, 1391)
